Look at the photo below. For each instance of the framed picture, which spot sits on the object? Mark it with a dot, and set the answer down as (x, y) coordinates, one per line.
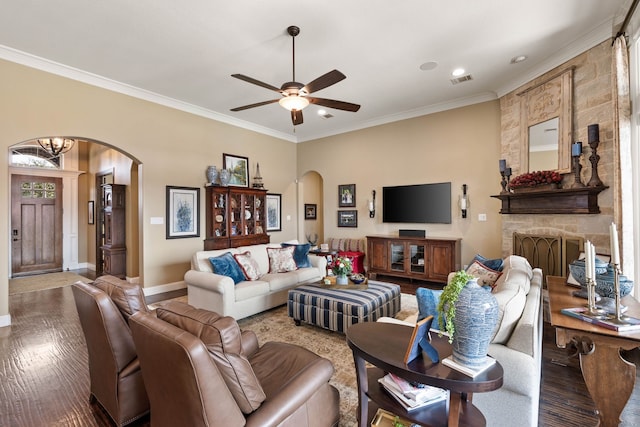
(310, 211)
(183, 212)
(239, 168)
(92, 212)
(347, 196)
(348, 218)
(274, 212)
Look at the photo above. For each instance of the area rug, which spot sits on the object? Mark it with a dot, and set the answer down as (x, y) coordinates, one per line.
(39, 282)
(275, 325)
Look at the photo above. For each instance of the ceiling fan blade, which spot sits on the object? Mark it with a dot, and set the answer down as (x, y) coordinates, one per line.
(326, 80)
(296, 117)
(256, 82)
(257, 104)
(332, 103)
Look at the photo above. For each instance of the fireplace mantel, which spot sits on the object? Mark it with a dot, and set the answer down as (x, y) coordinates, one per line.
(556, 201)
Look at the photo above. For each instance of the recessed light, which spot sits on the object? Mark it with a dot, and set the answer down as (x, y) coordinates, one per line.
(519, 58)
(322, 112)
(458, 72)
(428, 66)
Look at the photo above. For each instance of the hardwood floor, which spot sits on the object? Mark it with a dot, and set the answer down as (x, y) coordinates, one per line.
(44, 379)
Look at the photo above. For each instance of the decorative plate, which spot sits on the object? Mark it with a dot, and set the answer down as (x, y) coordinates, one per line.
(247, 214)
(219, 218)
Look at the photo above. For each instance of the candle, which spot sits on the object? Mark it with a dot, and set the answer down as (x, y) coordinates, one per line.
(593, 261)
(594, 133)
(587, 260)
(576, 149)
(503, 165)
(615, 252)
(507, 171)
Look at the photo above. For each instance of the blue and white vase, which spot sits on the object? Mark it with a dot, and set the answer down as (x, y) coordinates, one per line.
(341, 279)
(212, 174)
(225, 177)
(475, 321)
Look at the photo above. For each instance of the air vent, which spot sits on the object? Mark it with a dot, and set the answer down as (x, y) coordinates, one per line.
(326, 115)
(461, 79)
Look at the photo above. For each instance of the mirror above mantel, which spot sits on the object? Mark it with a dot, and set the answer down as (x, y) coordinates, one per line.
(546, 123)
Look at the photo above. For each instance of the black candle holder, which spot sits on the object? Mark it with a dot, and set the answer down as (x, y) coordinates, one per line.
(594, 158)
(506, 174)
(577, 168)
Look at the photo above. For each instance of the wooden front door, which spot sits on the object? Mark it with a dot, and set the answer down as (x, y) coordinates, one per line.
(36, 224)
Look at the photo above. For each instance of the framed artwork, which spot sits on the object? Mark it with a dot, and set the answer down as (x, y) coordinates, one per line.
(310, 211)
(348, 218)
(91, 212)
(274, 212)
(238, 167)
(183, 212)
(347, 196)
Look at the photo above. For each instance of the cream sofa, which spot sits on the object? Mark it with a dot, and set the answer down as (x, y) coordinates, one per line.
(219, 293)
(517, 345)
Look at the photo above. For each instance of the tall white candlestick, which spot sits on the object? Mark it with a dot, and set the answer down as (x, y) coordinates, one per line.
(593, 261)
(587, 260)
(615, 252)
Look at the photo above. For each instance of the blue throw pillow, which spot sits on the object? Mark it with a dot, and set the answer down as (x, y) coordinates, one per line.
(300, 254)
(226, 265)
(493, 264)
(428, 304)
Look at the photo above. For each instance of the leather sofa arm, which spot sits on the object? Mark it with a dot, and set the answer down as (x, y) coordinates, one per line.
(249, 343)
(210, 281)
(298, 390)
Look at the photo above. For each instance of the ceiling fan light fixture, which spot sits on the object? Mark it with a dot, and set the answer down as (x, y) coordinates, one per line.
(294, 102)
(57, 145)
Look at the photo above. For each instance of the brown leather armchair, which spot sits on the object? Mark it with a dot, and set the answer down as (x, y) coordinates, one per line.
(193, 362)
(114, 369)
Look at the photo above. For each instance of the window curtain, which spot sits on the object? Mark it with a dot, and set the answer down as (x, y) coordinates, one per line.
(622, 159)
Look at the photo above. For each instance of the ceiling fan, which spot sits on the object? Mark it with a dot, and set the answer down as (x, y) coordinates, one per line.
(295, 96)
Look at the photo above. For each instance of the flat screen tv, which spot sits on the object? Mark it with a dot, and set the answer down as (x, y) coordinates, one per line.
(421, 203)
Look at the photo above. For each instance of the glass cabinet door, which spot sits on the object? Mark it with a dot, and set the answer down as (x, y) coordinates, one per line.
(417, 258)
(397, 256)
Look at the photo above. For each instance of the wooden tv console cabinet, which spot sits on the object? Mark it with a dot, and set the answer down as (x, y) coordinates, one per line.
(430, 259)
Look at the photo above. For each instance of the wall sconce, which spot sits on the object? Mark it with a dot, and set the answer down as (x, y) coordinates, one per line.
(372, 204)
(464, 201)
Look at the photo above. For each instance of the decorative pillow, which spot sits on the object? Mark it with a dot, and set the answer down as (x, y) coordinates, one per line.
(485, 276)
(222, 338)
(428, 304)
(300, 253)
(248, 265)
(128, 297)
(226, 265)
(493, 264)
(281, 260)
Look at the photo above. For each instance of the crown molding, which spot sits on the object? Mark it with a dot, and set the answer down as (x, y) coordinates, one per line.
(52, 67)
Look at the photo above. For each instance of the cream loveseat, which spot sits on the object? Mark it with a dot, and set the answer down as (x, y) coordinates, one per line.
(220, 294)
(517, 345)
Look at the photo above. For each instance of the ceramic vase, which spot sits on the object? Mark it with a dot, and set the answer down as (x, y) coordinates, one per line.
(342, 279)
(212, 174)
(475, 321)
(225, 176)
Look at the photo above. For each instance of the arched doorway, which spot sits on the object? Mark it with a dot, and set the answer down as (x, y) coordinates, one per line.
(77, 169)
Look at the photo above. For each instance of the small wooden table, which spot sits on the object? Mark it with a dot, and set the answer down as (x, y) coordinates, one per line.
(384, 345)
(609, 378)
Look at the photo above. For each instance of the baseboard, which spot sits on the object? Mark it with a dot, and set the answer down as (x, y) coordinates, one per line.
(5, 320)
(160, 289)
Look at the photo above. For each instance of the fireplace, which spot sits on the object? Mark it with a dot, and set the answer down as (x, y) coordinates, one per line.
(552, 254)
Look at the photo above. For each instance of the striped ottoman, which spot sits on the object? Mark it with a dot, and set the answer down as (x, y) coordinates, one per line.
(337, 309)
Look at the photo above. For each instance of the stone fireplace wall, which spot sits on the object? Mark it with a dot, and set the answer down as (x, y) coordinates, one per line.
(592, 103)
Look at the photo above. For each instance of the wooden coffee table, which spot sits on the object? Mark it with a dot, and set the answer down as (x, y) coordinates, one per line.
(384, 345)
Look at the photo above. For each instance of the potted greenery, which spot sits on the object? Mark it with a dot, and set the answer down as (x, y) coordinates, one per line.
(447, 303)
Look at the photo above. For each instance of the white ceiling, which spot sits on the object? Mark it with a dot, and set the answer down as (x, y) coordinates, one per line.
(182, 53)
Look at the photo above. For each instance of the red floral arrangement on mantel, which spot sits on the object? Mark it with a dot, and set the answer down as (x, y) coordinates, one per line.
(535, 179)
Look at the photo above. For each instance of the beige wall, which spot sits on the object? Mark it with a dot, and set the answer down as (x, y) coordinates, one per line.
(592, 103)
(173, 147)
(461, 146)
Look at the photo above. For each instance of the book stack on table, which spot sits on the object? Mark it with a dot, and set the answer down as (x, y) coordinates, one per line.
(412, 396)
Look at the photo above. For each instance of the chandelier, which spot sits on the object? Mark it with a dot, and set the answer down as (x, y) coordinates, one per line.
(57, 145)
